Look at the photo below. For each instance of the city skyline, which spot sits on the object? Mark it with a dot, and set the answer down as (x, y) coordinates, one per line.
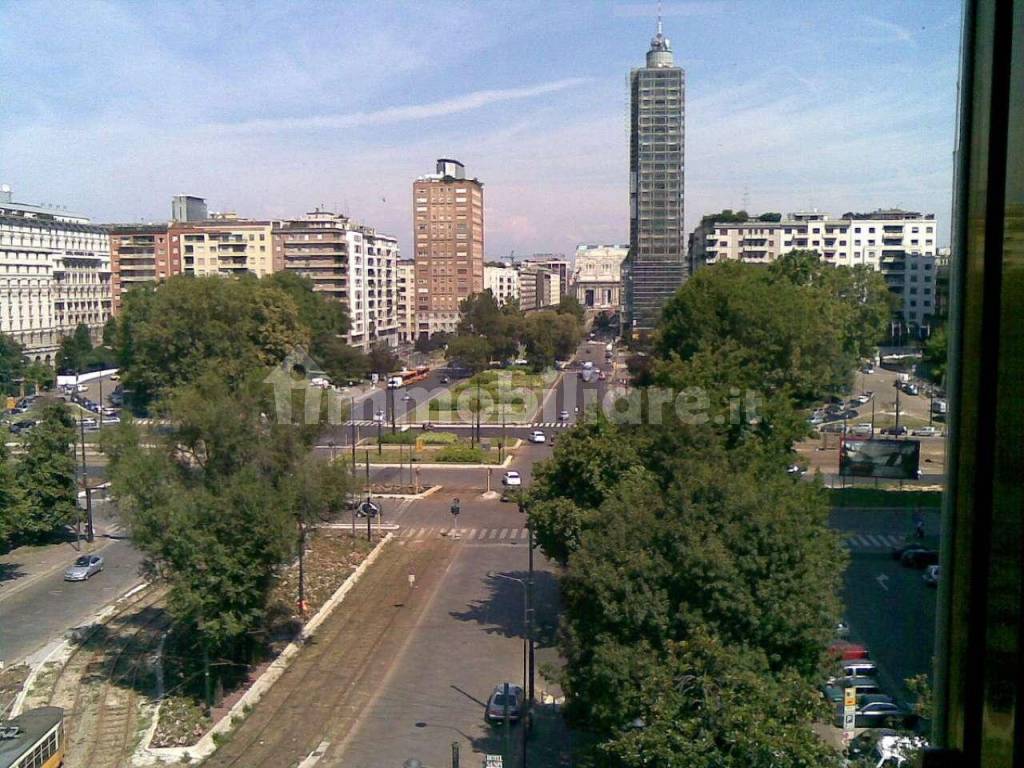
(275, 120)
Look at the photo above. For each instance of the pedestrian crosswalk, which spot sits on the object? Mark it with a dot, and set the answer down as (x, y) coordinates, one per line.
(880, 541)
(488, 535)
(467, 425)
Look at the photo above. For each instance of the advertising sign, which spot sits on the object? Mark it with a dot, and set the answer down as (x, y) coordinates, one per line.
(849, 712)
(892, 459)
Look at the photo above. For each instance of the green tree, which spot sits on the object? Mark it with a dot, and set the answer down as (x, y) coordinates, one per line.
(382, 358)
(110, 333)
(175, 332)
(570, 305)
(340, 361)
(74, 350)
(935, 351)
(10, 491)
(214, 502)
(46, 474)
(501, 326)
(472, 352)
(321, 316)
(12, 364)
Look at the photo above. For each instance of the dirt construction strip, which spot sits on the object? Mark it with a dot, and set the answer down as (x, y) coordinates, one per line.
(321, 695)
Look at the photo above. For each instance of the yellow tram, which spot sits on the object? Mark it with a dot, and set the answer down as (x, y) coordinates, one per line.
(33, 739)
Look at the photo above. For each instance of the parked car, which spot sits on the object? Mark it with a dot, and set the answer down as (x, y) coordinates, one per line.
(897, 750)
(844, 650)
(862, 399)
(115, 376)
(22, 426)
(895, 431)
(110, 411)
(863, 744)
(84, 568)
(445, 379)
(378, 416)
(857, 668)
(876, 710)
(81, 388)
(498, 705)
(537, 437)
(925, 432)
(563, 416)
(931, 575)
(794, 470)
(512, 479)
(835, 691)
(919, 558)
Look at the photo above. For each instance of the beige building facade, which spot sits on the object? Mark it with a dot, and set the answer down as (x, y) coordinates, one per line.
(54, 276)
(225, 248)
(448, 230)
(502, 280)
(597, 276)
(406, 272)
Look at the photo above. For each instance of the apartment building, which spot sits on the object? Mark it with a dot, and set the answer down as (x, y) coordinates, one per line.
(554, 262)
(139, 254)
(597, 276)
(225, 247)
(655, 267)
(448, 227)
(54, 275)
(406, 273)
(350, 263)
(902, 245)
(539, 286)
(502, 280)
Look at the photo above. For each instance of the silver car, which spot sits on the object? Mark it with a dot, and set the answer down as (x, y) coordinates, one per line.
(84, 567)
(495, 712)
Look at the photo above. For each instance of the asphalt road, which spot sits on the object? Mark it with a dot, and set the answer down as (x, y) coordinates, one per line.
(471, 636)
(888, 607)
(46, 607)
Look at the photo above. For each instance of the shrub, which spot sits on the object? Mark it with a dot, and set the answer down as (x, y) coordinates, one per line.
(399, 438)
(460, 453)
(440, 438)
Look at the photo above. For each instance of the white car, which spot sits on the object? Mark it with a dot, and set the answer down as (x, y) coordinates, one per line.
(512, 479)
(563, 416)
(924, 432)
(82, 388)
(378, 416)
(537, 437)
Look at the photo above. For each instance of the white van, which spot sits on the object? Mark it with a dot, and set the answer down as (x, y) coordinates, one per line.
(395, 382)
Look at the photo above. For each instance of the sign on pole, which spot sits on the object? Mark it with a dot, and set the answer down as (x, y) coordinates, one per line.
(849, 712)
(368, 509)
(493, 761)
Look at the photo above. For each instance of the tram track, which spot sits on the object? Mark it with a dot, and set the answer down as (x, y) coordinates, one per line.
(98, 684)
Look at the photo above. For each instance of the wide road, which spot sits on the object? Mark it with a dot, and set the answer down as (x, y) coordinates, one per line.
(38, 606)
(889, 607)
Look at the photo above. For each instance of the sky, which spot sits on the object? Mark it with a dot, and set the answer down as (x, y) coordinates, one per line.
(271, 109)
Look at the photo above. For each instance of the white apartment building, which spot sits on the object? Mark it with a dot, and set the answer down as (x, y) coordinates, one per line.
(539, 286)
(350, 263)
(406, 272)
(902, 245)
(54, 275)
(502, 280)
(597, 275)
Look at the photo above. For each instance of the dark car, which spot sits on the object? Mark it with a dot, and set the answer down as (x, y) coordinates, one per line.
(22, 426)
(897, 431)
(876, 710)
(898, 552)
(919, 558)
(835, 691)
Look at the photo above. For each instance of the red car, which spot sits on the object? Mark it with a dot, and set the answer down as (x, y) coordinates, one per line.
(844, 650)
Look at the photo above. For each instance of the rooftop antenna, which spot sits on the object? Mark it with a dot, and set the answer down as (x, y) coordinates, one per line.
(746, 198)
(659, 18)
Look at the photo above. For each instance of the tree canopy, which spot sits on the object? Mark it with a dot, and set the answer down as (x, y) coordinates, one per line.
(45, 475)
(12, 364)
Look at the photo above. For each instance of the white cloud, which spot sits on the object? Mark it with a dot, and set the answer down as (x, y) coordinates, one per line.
(894, 31)
(467, 102)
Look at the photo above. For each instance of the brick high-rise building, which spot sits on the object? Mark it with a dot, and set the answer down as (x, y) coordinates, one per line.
(655, 267)
(140, 253)
(448, 228)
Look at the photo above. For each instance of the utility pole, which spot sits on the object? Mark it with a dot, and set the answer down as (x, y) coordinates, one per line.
(369, 532)
(101, 404)
(508, 727)
(391, 397)
(89, 532)
(302, 569)
(479, 407)
(897, 409)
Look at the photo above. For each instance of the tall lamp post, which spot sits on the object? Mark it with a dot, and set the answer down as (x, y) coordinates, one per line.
(527, 585)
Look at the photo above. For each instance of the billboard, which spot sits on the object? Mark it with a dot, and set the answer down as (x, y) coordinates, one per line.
(891, 459)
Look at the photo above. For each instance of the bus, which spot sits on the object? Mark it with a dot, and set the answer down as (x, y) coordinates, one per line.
(406, 377)
(33, 739)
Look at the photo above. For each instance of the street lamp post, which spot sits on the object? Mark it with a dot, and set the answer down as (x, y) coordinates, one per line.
(527, 586)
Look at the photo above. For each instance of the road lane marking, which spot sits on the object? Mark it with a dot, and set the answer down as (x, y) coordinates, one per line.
(515, 533)
(503, 534)
(494, 532)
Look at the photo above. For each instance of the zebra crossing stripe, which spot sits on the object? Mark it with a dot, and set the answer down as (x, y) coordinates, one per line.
(515, 533)
(494, 533)
(503, 534)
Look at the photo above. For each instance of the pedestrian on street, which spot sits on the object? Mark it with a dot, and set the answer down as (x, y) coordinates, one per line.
(919, 529)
